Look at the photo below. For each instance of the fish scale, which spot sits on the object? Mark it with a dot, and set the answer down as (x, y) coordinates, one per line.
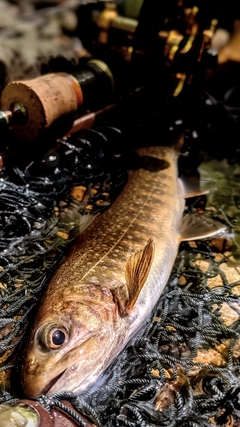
(109, 282)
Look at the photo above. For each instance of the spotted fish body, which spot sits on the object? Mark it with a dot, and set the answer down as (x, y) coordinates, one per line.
(108, 283)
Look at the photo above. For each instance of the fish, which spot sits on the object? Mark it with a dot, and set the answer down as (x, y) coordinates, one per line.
(106, 287)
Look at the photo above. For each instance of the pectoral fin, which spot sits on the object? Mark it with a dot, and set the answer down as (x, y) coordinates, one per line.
(199, 226)
(137, 270)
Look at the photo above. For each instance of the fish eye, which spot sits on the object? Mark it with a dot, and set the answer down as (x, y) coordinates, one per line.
(56, 336)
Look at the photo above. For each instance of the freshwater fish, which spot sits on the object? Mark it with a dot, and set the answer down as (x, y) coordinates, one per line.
(110, 280)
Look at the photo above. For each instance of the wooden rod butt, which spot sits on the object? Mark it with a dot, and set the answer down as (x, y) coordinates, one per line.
(46, 99)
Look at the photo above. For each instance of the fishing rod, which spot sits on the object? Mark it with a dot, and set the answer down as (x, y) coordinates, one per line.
(17, 155)
(53, 100)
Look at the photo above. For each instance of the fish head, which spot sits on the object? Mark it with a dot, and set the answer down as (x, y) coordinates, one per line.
(70, 344)
(80, 329)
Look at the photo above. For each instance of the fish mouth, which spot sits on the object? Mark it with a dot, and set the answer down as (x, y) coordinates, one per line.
(53, 387)
(67, 382)
(52, 382)
(35, 393)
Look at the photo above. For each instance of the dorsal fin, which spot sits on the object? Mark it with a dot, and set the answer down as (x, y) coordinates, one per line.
(199, 226)
(137, 270)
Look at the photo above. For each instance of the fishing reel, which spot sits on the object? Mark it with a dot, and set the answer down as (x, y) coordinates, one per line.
(167, 45)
